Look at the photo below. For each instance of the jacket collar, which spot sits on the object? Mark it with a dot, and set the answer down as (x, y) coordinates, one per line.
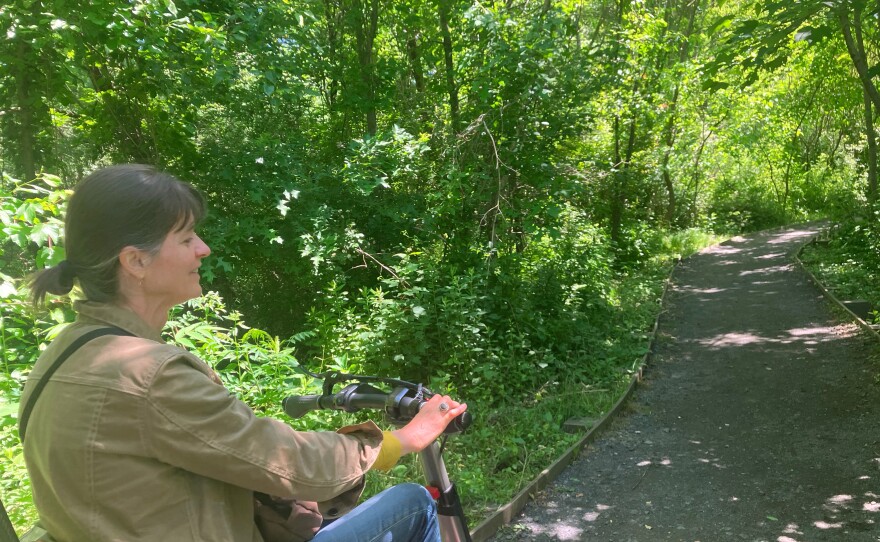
(92, 312)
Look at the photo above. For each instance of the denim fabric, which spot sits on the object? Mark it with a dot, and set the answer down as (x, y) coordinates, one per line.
(403, 513)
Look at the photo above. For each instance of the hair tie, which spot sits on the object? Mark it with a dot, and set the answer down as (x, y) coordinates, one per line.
(68, 273)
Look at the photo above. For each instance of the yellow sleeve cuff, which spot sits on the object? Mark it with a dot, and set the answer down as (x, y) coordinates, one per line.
(389, 453)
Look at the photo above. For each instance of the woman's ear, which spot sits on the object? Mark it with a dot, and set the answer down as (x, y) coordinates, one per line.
(133, 261)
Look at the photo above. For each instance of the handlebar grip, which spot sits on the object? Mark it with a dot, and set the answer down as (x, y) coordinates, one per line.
(297, 406)
(460, 423)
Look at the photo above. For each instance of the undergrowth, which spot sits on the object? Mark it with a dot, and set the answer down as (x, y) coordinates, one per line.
(847, 259)
(524, 368)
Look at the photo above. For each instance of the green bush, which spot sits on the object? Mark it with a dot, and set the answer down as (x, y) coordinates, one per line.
(527, 337)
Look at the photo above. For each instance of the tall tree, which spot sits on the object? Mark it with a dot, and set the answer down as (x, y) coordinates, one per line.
(762, 42)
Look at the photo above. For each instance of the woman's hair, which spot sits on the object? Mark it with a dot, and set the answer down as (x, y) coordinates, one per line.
(112, 208)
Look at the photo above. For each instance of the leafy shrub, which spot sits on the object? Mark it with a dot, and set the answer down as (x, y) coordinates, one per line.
(850, 259)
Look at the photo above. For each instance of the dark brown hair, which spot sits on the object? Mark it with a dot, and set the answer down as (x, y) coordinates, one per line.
(115, 207)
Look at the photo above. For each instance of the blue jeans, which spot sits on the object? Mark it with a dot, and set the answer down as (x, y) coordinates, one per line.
(403, 513)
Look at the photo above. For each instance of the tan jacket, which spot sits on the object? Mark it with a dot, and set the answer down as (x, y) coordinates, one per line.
(135, 439)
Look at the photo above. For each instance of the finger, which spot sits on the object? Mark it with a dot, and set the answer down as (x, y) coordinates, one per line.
(458, 410)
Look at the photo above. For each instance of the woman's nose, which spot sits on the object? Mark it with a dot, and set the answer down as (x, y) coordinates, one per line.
(202, 249)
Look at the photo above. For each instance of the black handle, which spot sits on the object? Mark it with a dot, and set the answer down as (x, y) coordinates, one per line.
(398, 406)
(297, 406)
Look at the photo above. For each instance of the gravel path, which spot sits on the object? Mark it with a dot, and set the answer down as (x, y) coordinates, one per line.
(758, 419)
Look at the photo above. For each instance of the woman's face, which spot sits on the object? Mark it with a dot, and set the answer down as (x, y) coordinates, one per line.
(172, 276)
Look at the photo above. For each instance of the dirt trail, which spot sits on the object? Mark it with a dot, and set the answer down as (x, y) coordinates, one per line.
(758, 419)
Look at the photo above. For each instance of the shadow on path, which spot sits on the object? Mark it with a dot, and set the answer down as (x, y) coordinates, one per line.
(758, 420)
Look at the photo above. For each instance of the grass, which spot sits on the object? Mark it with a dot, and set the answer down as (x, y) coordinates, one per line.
(845, 269)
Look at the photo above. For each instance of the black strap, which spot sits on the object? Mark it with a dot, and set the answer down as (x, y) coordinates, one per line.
(74, 346)
(7, 531)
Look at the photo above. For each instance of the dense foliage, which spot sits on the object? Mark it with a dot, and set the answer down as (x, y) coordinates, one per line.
(491, 464)
(477, 195)
(847, 260)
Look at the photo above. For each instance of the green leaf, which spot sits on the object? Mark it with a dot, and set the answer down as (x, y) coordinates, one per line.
(7, 289)
(804, 34)
(8, 409)
(713, 84)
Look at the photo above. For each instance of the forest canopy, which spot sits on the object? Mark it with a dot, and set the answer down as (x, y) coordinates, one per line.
(337, 140)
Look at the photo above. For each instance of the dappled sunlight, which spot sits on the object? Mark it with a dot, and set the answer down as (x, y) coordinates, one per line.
(590, 517)
(561, 530)
(665, 462)
(839, 500)
(843, 513)
(805, 335)
(714, 462)
(812, 331)
(689, 289)
(771, 256)
(593, 515)
(789, 236)
(767, 270)
(722, 249)
(792, 528)
(733, 339)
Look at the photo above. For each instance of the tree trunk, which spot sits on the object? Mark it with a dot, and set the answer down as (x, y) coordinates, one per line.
(793, 145)
(333, 13)
(696, 176)
(872, 148)
(619, 177)
(669, 141)
(27, 167)
(365, 30)
(856, 48)
(126, 115)
(415, 60)
(669, 129)
(443, 9)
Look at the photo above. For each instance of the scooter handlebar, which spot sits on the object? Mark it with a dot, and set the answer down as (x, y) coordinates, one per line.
(398, 407)
(297, 406)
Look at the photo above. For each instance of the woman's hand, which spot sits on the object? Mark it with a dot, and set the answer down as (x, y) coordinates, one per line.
(429, 423)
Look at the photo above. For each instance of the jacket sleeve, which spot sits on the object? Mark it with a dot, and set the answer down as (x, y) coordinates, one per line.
(196, 424)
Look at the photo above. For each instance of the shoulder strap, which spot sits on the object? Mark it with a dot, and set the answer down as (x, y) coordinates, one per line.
(74, 346)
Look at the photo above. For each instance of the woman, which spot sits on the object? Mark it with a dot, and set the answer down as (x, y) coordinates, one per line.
(135, 439)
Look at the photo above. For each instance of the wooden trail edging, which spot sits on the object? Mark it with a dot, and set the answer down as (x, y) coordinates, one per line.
(829, 295)
(488, 527)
